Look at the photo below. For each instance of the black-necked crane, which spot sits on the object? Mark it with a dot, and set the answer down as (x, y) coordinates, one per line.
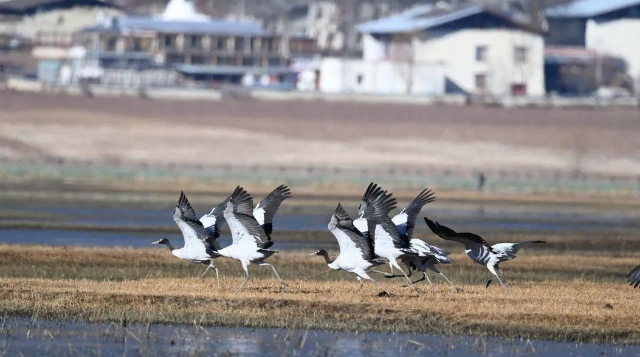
(428, 255)
(250, 242)
(387, 241)
(263, 212)
(633, 278)
(479, 250)
(356, 250)
(199, 246)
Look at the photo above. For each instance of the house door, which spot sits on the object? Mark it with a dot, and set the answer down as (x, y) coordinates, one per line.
(518, 89)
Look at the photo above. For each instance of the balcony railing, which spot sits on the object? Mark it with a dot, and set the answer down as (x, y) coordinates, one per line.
(53, 38)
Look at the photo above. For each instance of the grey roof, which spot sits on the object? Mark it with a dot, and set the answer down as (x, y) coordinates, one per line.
(230, 70)
(29, 6)
(210, 27)
(589, 8)
(428, 16)
(419, 18)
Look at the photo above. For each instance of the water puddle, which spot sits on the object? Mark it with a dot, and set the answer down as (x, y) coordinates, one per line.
(21, 336)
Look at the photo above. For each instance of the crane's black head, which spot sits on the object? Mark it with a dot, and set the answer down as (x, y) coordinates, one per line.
(319, 252)
(164, 241)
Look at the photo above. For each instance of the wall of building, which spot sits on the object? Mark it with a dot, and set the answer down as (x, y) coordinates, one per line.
(61, 21)
(618, 38)
(380, 77)
(457, 53)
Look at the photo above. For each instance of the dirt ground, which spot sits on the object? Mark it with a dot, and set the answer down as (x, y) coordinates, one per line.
(315, 133)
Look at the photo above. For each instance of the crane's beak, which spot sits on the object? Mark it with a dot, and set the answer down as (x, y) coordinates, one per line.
(316, 253)
(156, 242)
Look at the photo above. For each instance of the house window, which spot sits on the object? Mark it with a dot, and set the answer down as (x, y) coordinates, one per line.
(481, 53)
(195, 41)
(520, 54)
(481, 82)
(112, 43)
(168, 41)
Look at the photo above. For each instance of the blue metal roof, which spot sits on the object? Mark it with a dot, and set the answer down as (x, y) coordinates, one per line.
(420, 18)
(209, 27)
(589, 8)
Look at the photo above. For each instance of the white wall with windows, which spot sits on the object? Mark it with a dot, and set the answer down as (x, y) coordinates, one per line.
(479, 61)
(488, 61)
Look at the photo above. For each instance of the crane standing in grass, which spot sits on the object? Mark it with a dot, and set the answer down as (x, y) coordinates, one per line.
(199, 246)
(250, 241)
(479, 250)
(356, 250)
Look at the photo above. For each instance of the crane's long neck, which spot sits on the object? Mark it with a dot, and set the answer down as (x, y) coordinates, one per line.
(169, 245)
(325, 255)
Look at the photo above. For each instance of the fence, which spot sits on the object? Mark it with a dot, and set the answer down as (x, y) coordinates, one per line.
(399, 177)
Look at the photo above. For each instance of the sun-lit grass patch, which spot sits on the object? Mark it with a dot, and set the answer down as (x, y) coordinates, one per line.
(551, 296)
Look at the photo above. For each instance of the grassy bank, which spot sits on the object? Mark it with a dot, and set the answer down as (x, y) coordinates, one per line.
(578, 297)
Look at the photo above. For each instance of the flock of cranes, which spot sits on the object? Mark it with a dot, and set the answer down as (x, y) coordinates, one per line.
(372, 240)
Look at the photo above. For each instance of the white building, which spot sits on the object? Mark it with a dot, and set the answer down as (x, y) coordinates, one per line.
(481, 50)
(610, 27)
(52, 21)
(330, 22)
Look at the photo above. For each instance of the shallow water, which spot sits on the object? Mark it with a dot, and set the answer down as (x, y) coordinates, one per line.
(472, 218)
(46, 337)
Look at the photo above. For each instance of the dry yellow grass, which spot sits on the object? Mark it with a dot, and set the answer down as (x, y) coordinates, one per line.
(588, 301)
(579, 311)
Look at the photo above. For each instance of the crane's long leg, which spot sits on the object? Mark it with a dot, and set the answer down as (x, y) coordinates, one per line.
(274, 271)
(384, 290)
(386, 275)
(363, 275)
(403, 273)
(493, 271)
(361, 285)
(215, 268)
(424, 277)
(246, 271)
(447, 279)
(433, 268)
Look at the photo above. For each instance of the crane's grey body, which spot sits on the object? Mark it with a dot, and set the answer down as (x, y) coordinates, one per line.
(356, 250)
(479, 250)
(199, 246)
(250, 242)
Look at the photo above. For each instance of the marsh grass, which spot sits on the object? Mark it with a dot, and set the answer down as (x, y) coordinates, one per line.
(551, 296)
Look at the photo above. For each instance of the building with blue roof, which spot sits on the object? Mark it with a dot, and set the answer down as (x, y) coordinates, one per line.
(611, 28)
(483, 50)
(202, 49)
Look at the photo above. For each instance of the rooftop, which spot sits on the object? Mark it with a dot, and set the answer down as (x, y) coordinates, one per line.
(31, 6)
(589, 8)
(207, 27)
(424, 17)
